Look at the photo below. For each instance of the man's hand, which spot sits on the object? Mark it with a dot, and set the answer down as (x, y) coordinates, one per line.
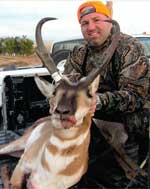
(93, 105)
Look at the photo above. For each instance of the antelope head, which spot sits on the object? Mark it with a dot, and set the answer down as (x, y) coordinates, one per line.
(70, 102)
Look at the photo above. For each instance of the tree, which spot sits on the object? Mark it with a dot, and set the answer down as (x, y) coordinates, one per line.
(17, 49)
(9, 45)
(26, 46)
(17, 45)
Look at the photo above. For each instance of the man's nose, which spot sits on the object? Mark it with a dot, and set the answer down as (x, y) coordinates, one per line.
(91, 25)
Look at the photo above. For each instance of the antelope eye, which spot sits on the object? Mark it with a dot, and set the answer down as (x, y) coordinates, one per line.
(88, 94)
(54, 93)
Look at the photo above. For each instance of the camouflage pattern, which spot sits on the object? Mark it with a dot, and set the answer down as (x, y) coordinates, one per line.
(124, 85)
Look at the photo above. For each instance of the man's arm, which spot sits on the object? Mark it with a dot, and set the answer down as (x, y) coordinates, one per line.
(133, 83)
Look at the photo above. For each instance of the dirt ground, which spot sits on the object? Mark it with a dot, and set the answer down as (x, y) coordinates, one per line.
(19, 61)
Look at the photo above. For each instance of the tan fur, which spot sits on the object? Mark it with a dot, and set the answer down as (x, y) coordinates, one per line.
(81, 159)
(52, 148)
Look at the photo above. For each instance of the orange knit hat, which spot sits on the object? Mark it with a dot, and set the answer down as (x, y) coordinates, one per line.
(92, 6)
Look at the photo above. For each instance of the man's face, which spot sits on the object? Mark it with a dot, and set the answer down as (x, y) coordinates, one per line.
(94, 29)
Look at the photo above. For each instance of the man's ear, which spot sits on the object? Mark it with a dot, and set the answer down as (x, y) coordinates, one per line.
(44, 86)
(94, 85)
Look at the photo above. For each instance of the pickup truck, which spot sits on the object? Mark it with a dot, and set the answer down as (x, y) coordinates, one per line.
(22, 104)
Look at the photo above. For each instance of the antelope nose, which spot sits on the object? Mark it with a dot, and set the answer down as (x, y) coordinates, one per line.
(62, 111)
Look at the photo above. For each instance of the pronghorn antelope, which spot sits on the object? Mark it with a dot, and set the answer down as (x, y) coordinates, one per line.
(56, 147)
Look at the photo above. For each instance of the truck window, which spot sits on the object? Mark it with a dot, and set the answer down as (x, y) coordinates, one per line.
(66, 45)
(146, 43)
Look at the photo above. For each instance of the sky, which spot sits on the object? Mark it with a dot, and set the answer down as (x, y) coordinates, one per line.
(20, 17)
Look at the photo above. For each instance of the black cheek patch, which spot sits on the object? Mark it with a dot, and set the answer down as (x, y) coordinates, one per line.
(73, 101)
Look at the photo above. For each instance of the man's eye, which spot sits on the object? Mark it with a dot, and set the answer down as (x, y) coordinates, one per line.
(84, 24)
(97, 20)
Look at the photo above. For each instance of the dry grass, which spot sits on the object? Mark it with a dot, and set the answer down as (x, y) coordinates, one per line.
(19, 61)
(22, 61)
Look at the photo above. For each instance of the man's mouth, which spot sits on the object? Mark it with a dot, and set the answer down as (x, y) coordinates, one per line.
(93, 35)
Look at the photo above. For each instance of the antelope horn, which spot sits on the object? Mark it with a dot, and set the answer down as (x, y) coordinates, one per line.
(106, 56)
(42, 52)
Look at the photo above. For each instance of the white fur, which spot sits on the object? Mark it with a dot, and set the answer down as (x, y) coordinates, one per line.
(36, 133)
(57, 162)
(79, 115)
(54, 181)
(62, 145)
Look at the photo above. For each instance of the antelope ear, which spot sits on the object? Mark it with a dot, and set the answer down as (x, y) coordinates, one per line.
(94, 85)
(44, 86)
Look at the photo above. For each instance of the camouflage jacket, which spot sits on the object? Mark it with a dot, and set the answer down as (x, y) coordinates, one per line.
(125, 82)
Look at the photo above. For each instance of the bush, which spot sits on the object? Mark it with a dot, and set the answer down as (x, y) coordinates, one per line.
(16, 45)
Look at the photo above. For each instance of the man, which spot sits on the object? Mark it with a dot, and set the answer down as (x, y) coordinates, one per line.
(123, 85)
